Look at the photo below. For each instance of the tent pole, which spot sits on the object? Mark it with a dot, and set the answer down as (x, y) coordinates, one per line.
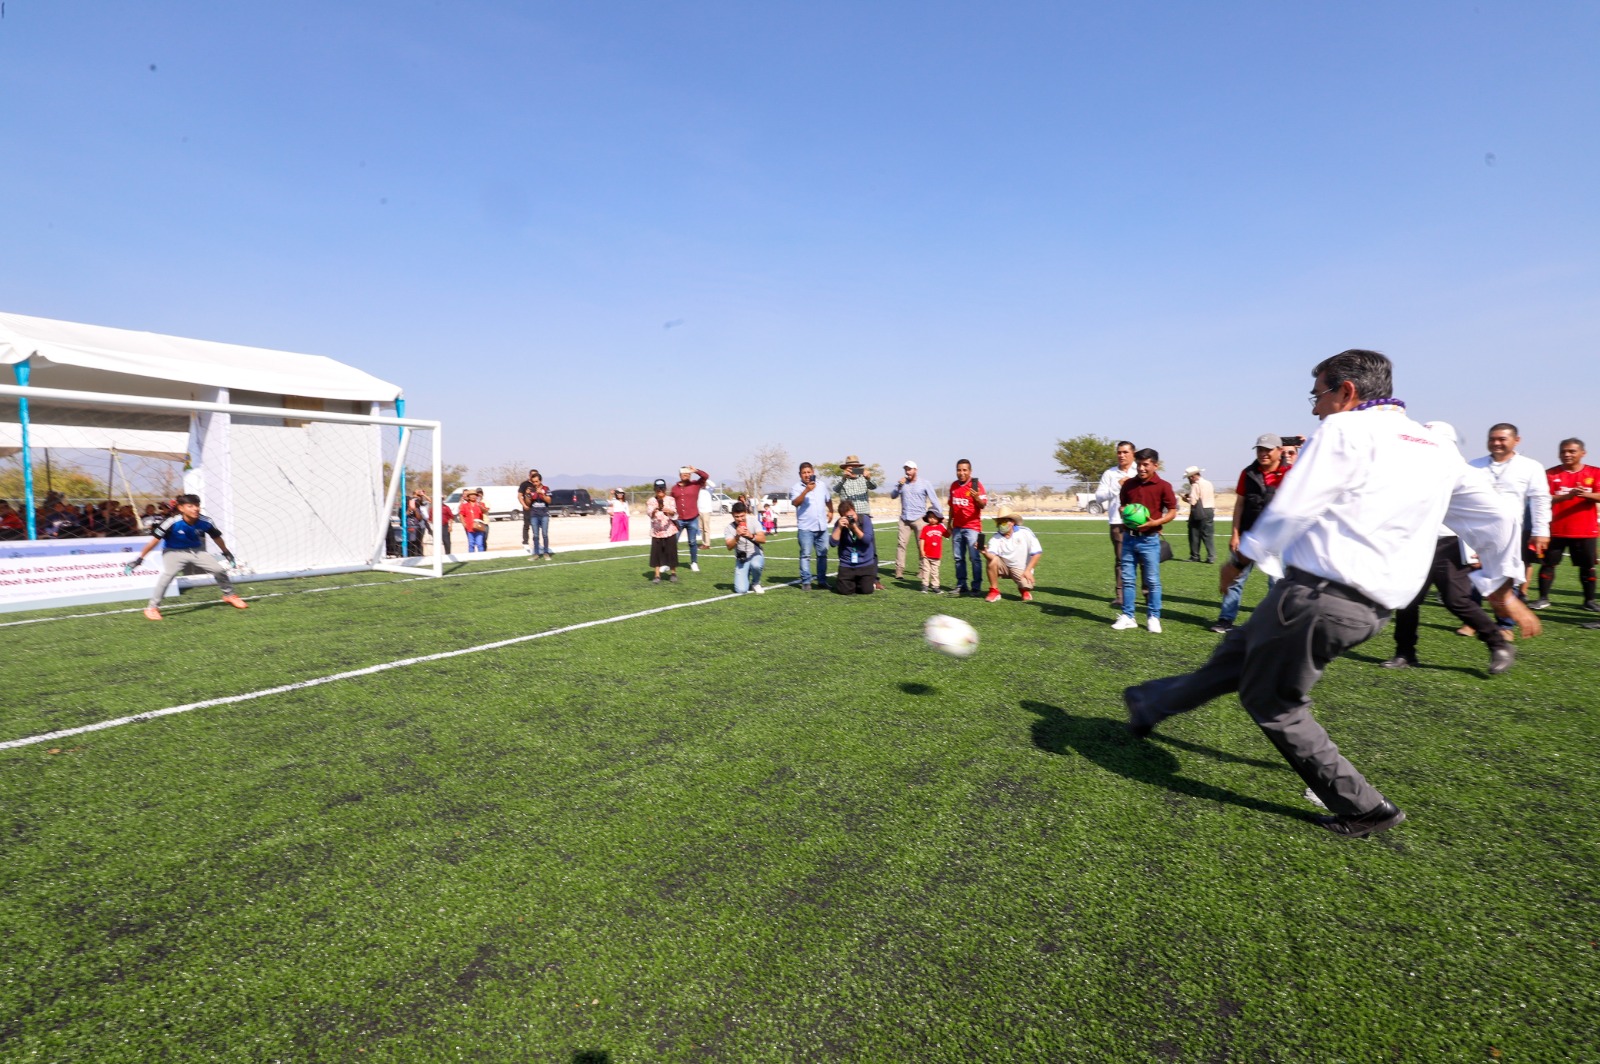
(438, 501)
(22, 370)
(400, 460)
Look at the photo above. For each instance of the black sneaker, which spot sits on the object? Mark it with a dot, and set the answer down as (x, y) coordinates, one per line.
(1592, 606)
(1400, 662)
(1539, 604)
(1138, 724)
(1222, 627)
(1386, 816)
(1501, 658)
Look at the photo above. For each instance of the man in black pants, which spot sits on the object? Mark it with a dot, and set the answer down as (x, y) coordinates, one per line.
(1449, 573)
(1351, 533)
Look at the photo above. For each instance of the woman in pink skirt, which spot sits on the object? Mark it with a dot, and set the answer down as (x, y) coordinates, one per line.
(619, 516)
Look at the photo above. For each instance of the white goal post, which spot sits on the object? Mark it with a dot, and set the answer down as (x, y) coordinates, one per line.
(295, 491)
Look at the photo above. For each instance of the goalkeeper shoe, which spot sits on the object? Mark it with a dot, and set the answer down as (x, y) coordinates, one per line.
(152, 614)
(236, 602)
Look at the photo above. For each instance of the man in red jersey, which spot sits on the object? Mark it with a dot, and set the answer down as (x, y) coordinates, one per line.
(1574, 524)
(966, 500)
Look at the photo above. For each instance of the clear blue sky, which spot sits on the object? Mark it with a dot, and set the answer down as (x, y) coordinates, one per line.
(900, 229)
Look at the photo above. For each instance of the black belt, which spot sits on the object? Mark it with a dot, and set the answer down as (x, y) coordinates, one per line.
(1331, 587)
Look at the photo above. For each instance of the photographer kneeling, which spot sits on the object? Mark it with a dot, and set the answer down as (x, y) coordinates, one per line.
(858, 553)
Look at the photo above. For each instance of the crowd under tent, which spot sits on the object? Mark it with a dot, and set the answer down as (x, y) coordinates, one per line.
(288, 451)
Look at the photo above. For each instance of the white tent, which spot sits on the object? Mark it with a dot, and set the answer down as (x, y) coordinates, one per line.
(65, 354)
(291, 493)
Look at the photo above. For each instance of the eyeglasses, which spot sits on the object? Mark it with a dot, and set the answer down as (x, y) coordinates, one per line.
(1318, 395)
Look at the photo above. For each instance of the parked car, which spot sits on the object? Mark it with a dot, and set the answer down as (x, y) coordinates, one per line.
(499, 499)
(721, 502)
(573, 502)
(781, 502)
(1087, 501)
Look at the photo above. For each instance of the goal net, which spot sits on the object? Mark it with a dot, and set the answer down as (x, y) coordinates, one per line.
(294, 490)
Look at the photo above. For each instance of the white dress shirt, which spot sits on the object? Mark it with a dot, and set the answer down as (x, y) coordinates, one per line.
(1522, 478)
(1364, 501)
(1110, 491)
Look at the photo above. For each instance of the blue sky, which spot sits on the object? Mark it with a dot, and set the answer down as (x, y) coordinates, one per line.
(903, 230)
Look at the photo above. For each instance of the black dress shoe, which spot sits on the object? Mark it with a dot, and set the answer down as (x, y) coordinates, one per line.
(1501, 657)
(1400, 662)
(1386, 816)
(1139, 725)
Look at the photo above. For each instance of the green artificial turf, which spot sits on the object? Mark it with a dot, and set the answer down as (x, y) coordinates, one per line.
(775, 828)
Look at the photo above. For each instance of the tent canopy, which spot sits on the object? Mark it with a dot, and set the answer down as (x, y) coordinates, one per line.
(174, 358)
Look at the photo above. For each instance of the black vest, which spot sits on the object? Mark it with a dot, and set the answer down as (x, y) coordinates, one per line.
(1256, 496)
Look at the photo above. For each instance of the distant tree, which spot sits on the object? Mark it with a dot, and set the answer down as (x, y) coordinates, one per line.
(1044, 491)
(1023, 491)
(455, 476)
(1085, 457)
(762, 468)
(65, 477)
(504, 473)
(831, 471)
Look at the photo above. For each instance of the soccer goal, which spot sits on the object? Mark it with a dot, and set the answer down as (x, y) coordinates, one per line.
(298, 486)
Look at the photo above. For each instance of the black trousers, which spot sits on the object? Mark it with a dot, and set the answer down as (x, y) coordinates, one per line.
(1116, 558)
(1272, 662)
(855, 579)
(1448, 573)
(1583, 556)
(1200, 533)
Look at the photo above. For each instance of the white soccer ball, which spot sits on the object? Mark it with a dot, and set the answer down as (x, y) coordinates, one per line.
(950, 635)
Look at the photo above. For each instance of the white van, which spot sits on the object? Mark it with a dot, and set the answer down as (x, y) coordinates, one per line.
(500, 500)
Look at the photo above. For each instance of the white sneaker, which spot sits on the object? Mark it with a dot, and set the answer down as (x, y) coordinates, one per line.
(1124, 622)
(1155, 625)
(758, 589)
(694, 567)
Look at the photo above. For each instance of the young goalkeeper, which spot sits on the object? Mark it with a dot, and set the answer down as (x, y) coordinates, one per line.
(183, 541)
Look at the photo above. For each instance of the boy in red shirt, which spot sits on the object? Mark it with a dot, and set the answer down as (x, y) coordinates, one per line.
(1574, 525)
(966, 499)
(931, 542)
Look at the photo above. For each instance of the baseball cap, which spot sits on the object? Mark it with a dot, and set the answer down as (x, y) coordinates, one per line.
(911, 463)
(1269, 440)
(661, 483)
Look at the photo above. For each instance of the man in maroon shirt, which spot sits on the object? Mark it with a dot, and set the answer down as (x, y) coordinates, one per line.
(686, 498)
(1141, 542)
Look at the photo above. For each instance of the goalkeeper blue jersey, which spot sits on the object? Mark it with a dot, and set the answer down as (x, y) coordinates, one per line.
(177, 534)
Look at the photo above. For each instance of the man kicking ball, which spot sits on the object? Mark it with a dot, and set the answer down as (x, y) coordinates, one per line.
(1350, 536)
(183, 550)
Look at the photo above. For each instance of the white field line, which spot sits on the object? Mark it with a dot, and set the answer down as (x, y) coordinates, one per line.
(354, 673)
(346, 587)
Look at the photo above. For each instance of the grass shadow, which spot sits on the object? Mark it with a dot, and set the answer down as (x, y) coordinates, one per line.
(1215, 754)
(1108, 744)
(912, 688)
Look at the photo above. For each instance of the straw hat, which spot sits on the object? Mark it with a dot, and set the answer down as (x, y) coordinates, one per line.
(1005, 513)
(851, 460)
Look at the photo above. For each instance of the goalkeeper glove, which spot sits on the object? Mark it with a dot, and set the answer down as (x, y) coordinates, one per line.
(228, 554)
(127, 570)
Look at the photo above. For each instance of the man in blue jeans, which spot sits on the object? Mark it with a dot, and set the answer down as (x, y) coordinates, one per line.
(1257, 485)
(1141, 543)
(813, 513)
(686, 496)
